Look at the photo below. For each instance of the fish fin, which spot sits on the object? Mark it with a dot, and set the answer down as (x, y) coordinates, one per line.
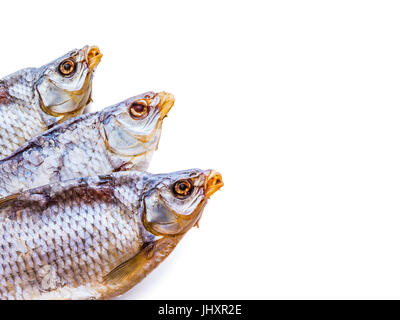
(125, 269)
(5, 200)
(136, 268)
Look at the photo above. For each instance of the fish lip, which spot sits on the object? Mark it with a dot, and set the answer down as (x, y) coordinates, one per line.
(167, 101)
(92, 56)
(213, 183)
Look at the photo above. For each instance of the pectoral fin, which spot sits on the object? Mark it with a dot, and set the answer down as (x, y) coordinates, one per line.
(4, 201)
(136, 268)
(130, 267)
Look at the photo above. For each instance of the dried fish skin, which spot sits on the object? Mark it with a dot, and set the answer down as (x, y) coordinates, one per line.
(95, 238)
(92, 144)
(33, 100)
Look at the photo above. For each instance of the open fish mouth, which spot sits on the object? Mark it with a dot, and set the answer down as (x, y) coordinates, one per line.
(167, 100)
(92, 56)
(213, 183)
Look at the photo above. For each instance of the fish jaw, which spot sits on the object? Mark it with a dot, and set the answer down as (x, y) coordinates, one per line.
(93, 57)
(213, 183)
(167, 101)
(135, 140)
(64, 96)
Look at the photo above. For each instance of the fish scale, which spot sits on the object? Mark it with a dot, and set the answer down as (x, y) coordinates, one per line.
(83, 259)
(23, 123)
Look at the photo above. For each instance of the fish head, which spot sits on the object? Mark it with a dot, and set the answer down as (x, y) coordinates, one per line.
(132, 128)
(174, 202)
(64, 86)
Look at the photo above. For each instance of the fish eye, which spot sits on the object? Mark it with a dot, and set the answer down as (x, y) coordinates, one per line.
(138, 110)
(67, 67)
(182, 188)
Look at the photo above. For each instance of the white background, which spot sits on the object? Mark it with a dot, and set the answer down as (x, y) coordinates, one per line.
(296, 103)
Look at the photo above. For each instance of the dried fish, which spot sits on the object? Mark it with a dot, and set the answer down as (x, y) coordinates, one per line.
(118, 138)
(95, 238)
(33, 100)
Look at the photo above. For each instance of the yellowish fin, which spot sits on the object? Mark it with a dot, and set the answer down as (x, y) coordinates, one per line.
(4, 201)
(137, 267)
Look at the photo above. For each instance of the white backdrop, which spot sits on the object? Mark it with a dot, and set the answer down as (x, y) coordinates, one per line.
(296, 103)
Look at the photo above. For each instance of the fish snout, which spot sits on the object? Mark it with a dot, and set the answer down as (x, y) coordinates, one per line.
(167, 100)
(213, 183)
(93, 56)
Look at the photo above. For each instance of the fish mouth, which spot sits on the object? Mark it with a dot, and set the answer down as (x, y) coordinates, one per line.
(92, 56)
(213, 183)
(167, 100)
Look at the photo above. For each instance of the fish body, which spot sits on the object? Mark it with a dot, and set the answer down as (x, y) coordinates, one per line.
(95, 238)
(33, 100)
(117, 138)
